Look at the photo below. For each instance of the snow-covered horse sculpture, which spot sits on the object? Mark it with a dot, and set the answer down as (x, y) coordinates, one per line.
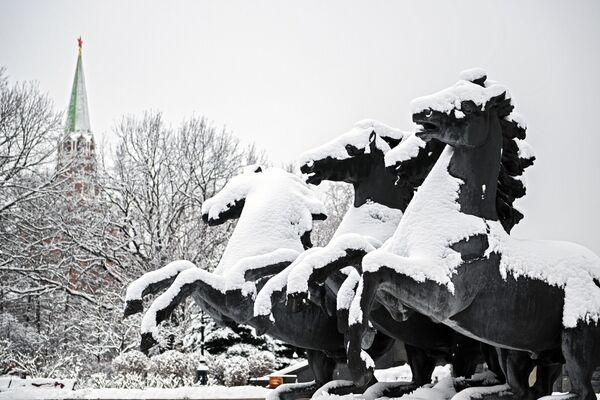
(275, 211)
(361, 152)
(357, 157)
(452, 259)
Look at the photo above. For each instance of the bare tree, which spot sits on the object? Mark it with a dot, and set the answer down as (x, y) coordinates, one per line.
(160, 180)
(66, 257)
(29, 132)
(338, 198)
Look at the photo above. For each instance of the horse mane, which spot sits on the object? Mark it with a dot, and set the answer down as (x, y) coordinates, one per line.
(413, 171)
(514, 161)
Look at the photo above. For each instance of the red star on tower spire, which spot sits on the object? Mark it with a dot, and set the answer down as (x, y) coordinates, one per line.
(80, 43)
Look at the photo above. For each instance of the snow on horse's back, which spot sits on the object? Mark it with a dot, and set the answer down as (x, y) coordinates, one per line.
(278, 209)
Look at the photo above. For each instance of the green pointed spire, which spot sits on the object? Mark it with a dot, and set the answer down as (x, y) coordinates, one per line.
(78, 119)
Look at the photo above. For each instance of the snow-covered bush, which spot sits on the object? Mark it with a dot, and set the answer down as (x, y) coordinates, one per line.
(103, 380)
(24, 339)
(216, 368)
(240, 362)
(133, 370)
(172, 363)
(237, 371)
(133, 361)
(97, 381)
(261, 363)
(241, 349)
(5, 355)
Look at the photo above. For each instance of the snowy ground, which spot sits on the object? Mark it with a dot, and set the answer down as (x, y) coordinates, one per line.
(191, 393)
(442, 388)
(403, 373)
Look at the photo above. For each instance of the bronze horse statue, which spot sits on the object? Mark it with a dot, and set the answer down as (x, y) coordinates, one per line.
(452, 259)
(275, 210)
(381, 194)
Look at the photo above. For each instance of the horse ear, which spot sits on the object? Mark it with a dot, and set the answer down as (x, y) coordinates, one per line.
(391, 141)
(354, 151)
(480, 81)
(372, 137)
(373, 142)
(258, 169)
(468, 107)
(319, 217)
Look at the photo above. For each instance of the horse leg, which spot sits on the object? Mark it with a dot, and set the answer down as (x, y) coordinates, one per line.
(420, 363)
(545, 375)
(344, 299)
(466, 354)
(517, 366)
(310, 271)
(150, 283)
(381, 345)
(422, 367)
(202, 283)
(490, 355)
(360, 364)
(580, 349)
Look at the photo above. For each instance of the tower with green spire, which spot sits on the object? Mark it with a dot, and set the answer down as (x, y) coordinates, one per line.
(77, 155)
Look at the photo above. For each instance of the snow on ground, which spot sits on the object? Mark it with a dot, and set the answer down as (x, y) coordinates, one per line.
(191, 393)
(403, 373)
(442, 390)
(12, 382)
(480, 392)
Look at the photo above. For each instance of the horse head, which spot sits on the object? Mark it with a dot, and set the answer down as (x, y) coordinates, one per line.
(350, 157)
(229, 202)
(475, 116)
(463, 115)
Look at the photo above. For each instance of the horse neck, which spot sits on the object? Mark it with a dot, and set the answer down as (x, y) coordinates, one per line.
(379, 186)
(251, 237)
(478, 168)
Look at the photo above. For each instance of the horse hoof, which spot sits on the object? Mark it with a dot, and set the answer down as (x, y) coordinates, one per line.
(368, 338)
(147, 342)
(296, 301)
(261, 324)
(362, 373)
(133, 307)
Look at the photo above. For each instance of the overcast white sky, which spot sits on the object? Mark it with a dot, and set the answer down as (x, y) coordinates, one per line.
(290, 75)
